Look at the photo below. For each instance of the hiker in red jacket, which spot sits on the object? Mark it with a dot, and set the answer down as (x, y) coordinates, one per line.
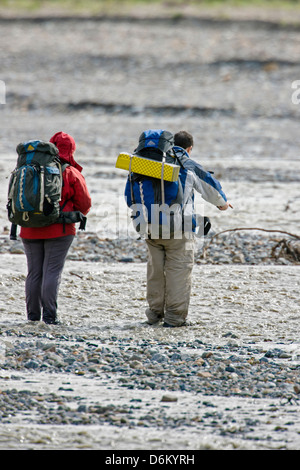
(46, 248)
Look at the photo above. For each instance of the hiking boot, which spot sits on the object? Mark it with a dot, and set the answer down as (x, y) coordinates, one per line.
(50, 321)
(153, 322)
(167, 325)
(50, 317)
(33, 317)
(152, 317)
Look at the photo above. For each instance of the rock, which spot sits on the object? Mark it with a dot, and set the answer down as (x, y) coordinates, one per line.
(136, 365)
(82, 409)
(297, 389)
(207, 354)
(31, 364)
(176, 357)
(239, 258)
(229, 369)
(168, 398)
(204, 374)
(284, 355)
(200, 361)
(159, 358)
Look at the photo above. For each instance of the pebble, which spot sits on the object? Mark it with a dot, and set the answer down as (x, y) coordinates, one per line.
(168, 398)
(159, 358)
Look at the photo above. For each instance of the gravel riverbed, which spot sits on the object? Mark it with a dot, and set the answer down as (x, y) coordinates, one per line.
(228, 381)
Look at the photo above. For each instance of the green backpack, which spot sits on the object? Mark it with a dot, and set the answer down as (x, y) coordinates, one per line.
(35, 185)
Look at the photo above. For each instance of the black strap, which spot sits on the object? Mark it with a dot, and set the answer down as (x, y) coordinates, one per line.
(62, 216)
(82, 222)
(13, 232)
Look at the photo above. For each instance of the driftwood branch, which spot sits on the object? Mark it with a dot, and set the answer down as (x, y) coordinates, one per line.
(288, 248)
(255, 228)
(297, 237)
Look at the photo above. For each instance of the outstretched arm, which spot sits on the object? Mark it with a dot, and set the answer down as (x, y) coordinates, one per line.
(225, 207)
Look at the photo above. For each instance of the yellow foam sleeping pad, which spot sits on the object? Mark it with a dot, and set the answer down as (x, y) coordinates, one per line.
(148, 167)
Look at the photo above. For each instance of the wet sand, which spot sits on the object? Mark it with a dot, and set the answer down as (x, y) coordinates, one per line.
(103, 379)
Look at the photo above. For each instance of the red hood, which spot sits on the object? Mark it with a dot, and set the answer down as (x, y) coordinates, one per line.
(66, 148)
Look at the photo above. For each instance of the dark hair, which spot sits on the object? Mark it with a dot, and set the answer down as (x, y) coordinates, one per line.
(183, 139)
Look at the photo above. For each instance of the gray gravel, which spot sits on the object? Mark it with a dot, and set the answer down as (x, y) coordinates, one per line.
(227, 248)
(177, 366)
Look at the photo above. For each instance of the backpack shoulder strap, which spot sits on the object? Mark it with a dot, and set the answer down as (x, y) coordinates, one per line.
(181, 156)
(64, 166)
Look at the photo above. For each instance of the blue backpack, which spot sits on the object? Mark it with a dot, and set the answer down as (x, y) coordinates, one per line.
(156, 204)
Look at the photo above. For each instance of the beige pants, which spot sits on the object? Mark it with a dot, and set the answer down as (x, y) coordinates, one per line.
(169, 278)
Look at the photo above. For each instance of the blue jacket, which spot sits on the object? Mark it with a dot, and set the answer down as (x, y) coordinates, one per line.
(194, 177)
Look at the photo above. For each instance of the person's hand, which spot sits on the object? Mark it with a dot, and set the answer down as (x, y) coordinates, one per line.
(225, 207)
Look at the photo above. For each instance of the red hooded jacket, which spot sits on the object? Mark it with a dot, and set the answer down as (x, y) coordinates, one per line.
(74, 192)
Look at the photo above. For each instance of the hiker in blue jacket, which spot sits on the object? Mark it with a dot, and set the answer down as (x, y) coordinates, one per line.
(171, 260)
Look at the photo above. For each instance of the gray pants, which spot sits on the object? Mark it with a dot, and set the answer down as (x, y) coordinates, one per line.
(169, 279)
(45, 262)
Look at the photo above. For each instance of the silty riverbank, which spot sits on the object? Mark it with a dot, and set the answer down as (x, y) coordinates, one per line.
(229, 380)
